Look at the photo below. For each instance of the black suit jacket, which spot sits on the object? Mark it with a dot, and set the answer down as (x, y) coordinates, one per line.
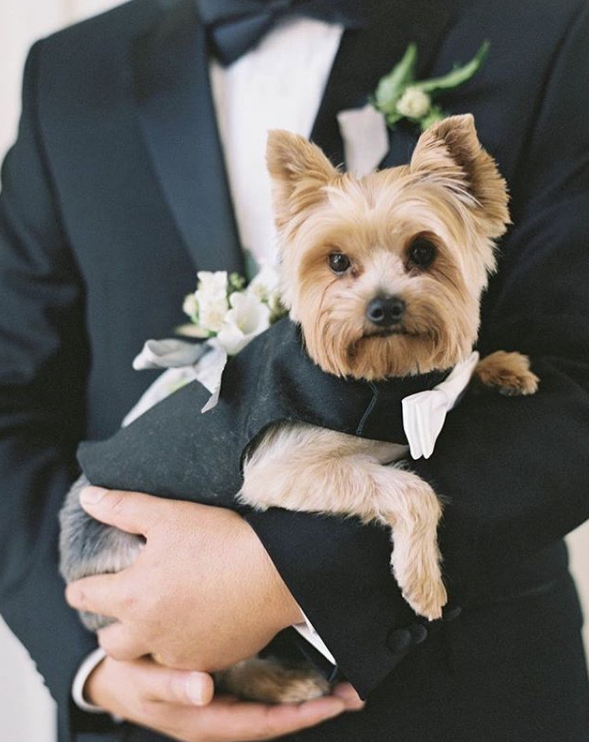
(114, 194)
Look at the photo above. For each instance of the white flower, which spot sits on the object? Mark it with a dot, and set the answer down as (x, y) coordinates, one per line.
(266, 283)
(247, 318)
(221, 305)
(414, 103)
(211, 297)
(190, 306)
(212, 309)
(210, 282)
(266, 287)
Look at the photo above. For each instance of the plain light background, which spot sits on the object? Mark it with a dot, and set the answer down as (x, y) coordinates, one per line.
(26, 710)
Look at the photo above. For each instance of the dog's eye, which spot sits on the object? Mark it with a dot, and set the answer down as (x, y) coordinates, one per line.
(338, 262)
(422, 252)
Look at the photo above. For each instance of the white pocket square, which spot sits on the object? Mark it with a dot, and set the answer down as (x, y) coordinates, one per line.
(365, 137)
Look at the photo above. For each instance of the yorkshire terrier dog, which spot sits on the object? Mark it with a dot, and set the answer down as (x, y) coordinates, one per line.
(384, 274)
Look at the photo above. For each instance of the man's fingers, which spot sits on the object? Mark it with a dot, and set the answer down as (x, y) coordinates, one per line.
(196, 688)
(349, 696)
(285, 719)
(227, 719)
(97, 594)
(180, 704)
(162, 685)
(120, 643)
(132, 512)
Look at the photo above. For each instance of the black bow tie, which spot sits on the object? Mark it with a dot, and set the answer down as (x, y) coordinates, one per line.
(235, 26)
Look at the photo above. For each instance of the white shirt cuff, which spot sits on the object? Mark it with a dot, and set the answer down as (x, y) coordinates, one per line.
(307, 631)
(88, 665)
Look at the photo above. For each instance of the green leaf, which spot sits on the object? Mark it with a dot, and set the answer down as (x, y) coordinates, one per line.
(236, 283)
(458, 76)
(435, 114)
(393, 118)
(391, 86)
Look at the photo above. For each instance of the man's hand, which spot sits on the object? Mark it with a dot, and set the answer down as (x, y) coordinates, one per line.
(202, 595)
(178, 704)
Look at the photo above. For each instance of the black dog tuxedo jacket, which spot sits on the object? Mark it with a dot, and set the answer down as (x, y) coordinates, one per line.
(174, 450)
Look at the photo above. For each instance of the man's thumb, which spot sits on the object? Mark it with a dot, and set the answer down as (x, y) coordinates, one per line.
(132, 512)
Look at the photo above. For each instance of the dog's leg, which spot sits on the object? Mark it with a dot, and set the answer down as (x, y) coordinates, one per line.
(88, 547)
(267, 680)
(411, 508)
(509, 373)
(315, 470)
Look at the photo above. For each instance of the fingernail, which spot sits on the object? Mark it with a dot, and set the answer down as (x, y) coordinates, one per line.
(195, 689)
(92, 495)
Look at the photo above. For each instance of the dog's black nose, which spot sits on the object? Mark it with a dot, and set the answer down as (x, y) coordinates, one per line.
(385, 311)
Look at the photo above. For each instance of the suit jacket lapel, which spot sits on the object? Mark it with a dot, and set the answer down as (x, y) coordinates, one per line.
(176, 112)
(367, 54)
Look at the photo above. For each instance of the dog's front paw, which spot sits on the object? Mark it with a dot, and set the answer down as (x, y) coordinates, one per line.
(268, 681)
(508, 373)
(300, 687)
(420, 578)
(426, 597)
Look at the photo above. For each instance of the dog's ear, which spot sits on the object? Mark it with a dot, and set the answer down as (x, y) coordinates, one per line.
(299, 171)
(450, 152)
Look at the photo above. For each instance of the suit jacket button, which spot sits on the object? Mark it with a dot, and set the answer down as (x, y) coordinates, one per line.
(399, 641)
(452, 613)
(418, 633)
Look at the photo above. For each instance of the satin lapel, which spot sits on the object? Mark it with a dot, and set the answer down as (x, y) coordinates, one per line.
(367, 54)
(175, 107)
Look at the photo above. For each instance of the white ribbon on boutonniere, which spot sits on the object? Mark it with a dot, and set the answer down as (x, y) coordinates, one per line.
(398, 96)
(181, 363)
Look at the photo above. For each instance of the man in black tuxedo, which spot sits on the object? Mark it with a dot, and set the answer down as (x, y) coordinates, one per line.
(115, 191)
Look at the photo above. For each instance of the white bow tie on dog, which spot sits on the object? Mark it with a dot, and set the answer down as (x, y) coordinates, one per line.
(424, 413)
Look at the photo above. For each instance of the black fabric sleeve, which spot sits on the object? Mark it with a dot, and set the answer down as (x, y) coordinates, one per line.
(514, 471)
(42, 376)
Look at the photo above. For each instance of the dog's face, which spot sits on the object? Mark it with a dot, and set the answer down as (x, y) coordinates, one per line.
(385, 273)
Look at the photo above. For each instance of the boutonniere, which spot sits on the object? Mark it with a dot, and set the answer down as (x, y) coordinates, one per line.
(231, 310)
(226, 312)
(398, 96)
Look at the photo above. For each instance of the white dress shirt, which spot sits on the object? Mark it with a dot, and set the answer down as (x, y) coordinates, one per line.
(277, 85)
